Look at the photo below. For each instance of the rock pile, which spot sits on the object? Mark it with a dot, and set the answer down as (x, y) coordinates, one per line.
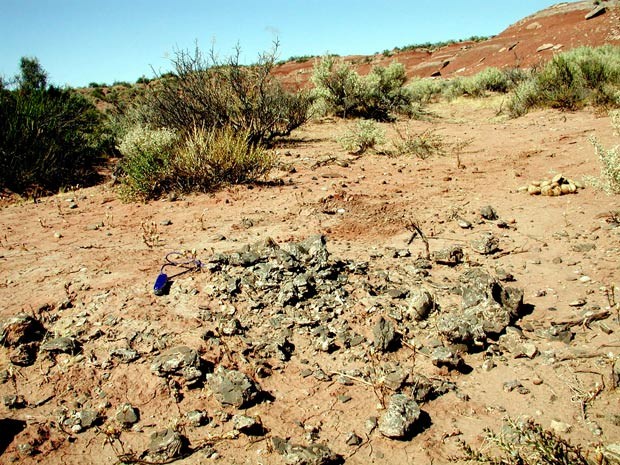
(556, 186)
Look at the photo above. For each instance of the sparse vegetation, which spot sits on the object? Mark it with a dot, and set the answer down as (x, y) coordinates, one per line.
(419, 144)
(609, 180)
(50, 138)
(524, 442)
(160, 160)
(343, 92)
(435, 45)
(207, 92)
(364, 135)
(571, 80)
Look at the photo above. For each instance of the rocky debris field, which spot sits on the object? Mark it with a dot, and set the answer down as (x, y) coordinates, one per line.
(358, 310)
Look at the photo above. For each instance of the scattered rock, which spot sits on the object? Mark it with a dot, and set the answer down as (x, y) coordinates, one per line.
(197, 418)
(24, 354)
(450, 256)
(487, 309)
(385, 336)
(597, 11)
(560, 427)
(252, 426)
(400, 416)
(13, 401)
(124, 355)
(314, 454)
(544, 47)
(127, 415)
(445, 356)
(352, 439)
(166, 445)
(486, 244)
(182, 361)
(558, 185)
(64, 345)
(488, 213)
(421, 303)
(231, 387)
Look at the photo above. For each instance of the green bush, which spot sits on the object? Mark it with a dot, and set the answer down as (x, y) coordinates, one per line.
(571, 80)
(609, 180)
(524, 442)
(366, 134)
(146, 163)
(209, 158)
(199, 160)
(204, 91)
(50, 138)
(345, 93)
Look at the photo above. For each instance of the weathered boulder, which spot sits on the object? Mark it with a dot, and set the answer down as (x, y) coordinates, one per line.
(231, 387)
(182, 361)
(400, 416)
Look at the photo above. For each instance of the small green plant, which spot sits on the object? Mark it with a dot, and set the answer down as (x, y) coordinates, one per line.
(209, 158)
(160, 160)
(379, 95)
(420, 144)
(524, 442)
(572, 79)
(147, 155)
(365, 135)
(609, 180)
(50, 138)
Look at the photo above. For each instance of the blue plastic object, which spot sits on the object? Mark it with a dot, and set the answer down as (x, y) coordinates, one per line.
(160, 284)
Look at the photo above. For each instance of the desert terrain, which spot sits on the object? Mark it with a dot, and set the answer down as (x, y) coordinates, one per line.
(310, 305)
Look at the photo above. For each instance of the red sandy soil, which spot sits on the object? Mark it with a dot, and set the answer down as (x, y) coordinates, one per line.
(107, 271)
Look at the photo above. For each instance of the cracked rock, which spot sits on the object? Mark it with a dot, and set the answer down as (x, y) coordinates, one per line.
(182, 361)
(421, 303)
(65, 345)
(127, 415)
(445, 356)
(400, 416)
(486, 244)
(231, 387)
(487, 308)
(450, 256)
(166, 445)
(314, 454)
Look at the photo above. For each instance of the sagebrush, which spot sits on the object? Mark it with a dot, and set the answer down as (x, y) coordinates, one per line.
(609, 179)
(50, 138)
(364, 135)
(204, 91)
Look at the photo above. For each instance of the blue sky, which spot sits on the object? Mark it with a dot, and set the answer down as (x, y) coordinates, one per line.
(83, 41)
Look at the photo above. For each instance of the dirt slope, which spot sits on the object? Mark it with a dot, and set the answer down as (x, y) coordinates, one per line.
(558, 28)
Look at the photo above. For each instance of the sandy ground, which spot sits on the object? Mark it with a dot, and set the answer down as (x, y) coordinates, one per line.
(88, 271)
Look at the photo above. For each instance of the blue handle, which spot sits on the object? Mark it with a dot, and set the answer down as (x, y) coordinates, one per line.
(160, 284)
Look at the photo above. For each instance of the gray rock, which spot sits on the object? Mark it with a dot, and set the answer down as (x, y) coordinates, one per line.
(252, 426)
(616, 373)
(166, 445)
(425, 389)
(445, 356)
(88, 418)
(486, 244)
(400, 416)
(314, 454)
(20, 329)
(385, 337)
(13, 401)
(450, 256)
(231, 387)
(182, 361)
(124, 355)
(197, 418)
(488, 213)
(599, 10)
(421, 303)
(127, 415)
(65, 345)
(352, 439)
(487, 308)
